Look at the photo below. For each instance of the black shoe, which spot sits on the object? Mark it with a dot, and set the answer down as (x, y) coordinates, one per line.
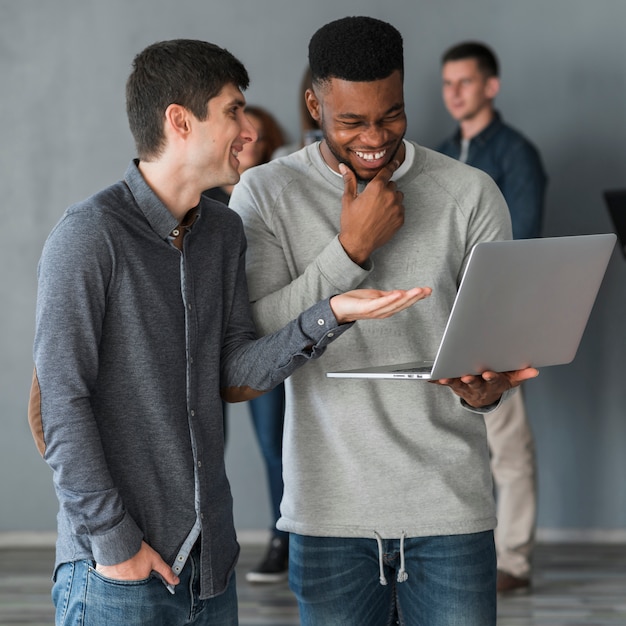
(273, 568)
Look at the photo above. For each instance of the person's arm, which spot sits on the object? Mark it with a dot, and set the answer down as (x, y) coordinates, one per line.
(251, 365)
(72, 281)
(523, 184)
(346, 308)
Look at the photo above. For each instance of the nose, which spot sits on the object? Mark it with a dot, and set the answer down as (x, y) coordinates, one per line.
(248, 131)
(374, 135)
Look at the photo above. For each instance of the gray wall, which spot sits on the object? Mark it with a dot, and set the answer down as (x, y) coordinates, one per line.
(63, 65)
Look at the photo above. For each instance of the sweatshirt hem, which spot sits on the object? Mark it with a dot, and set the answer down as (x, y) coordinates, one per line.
(386, 531)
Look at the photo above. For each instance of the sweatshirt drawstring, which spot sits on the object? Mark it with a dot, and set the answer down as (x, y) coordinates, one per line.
(402, 573)
(381, 578)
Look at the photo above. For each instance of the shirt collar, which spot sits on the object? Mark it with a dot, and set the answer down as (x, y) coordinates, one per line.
(484, 135)
(155, 212)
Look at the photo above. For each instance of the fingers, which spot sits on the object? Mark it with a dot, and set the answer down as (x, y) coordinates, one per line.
(475, 390)
(164, 570)
(159, 566)
(392, 302)
(374, 304)
(407, 299)
(507, 379)
(383, 180)
(526, 374)
(349, 181)
(385, 174)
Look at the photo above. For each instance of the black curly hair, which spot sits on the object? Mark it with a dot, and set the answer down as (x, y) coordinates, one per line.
(358, 49)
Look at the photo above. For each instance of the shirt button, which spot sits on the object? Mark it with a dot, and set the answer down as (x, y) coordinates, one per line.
(193, 413)
(331, 335)
(199, 463)
(320, 322)
(176, 232)
(177, 568)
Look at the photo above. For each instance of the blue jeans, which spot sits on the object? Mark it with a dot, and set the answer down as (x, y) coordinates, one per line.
(268, 413)
(451, 581)
(83, 597)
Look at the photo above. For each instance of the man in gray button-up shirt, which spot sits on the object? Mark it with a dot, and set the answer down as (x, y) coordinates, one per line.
(142, 324)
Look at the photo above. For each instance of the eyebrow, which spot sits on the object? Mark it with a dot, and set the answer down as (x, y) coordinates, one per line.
(235, 102)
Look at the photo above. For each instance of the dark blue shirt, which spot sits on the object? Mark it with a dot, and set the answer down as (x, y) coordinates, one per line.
(515, 165)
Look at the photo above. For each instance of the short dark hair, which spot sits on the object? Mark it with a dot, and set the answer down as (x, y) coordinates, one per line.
(180, 71)
(485, 57)
(358, 49)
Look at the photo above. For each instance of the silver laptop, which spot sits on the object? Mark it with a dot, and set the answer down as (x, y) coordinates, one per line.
(521, 303)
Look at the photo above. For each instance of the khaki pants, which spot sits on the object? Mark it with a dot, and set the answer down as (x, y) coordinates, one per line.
(513, 467)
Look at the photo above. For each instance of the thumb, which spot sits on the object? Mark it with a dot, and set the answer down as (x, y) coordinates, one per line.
(349, 181)
(164, 570)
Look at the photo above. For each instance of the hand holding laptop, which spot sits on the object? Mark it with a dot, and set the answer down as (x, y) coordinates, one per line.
(486, 389)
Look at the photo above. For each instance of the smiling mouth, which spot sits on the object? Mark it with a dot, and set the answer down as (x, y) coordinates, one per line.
(370, 156)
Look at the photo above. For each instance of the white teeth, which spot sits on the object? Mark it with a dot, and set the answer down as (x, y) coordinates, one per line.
(370, 156)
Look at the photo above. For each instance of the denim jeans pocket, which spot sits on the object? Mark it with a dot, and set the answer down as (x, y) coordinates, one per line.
(128, 602)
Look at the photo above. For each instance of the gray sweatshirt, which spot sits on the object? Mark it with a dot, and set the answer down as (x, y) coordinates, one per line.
(365, 456)
(134, 339)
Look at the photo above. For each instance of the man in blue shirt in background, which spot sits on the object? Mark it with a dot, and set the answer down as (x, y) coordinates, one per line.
(470, 84)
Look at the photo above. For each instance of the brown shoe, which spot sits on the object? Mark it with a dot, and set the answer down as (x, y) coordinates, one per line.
(507, 583)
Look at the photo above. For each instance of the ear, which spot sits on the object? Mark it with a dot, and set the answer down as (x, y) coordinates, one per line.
(492, 87)
(177, 119)
(313, 105)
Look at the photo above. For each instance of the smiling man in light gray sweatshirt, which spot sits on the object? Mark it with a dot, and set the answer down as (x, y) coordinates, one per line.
(388, 493)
